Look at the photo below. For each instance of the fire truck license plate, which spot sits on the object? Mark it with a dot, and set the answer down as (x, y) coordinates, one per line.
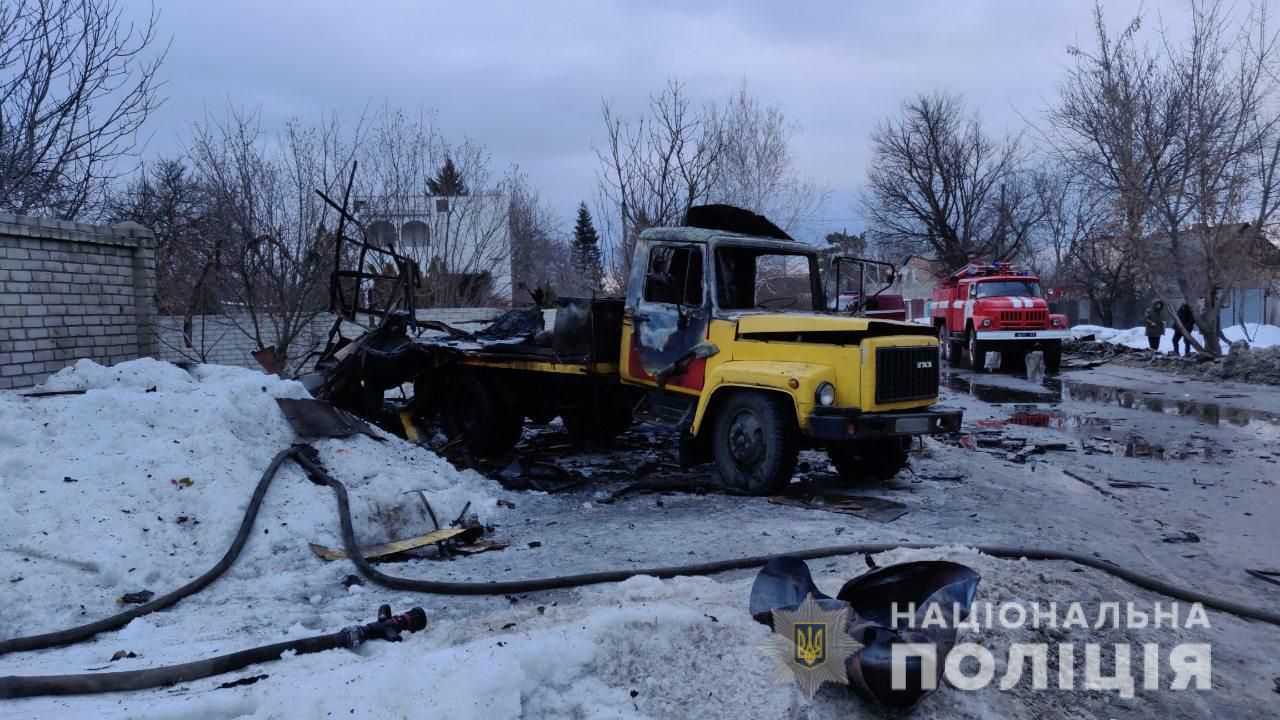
(1024, 334)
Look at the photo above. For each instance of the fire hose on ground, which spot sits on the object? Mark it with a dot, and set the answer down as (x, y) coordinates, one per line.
(306, 458)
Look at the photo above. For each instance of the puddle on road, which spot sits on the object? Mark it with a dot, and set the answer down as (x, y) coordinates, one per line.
(1138, 448)
(1050, 405)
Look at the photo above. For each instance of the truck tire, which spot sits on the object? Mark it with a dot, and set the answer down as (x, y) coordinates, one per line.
(755, 442)
(876, 460)
(976, 351)
(474, 411)
(1053, 357)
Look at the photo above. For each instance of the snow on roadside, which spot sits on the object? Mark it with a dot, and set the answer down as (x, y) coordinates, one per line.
(1258, 336)
(141, 482)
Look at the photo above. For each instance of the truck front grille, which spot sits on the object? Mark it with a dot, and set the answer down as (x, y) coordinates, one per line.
(1013, 319)
(906, 373)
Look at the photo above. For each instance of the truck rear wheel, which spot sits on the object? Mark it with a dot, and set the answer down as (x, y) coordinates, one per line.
(474, 411)
(755, 443)
(863, 460)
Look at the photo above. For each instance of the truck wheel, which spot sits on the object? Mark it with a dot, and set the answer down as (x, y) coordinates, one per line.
(977, 352)
(862, 460)
(474, 411)
(755, 443)
(1053, 357)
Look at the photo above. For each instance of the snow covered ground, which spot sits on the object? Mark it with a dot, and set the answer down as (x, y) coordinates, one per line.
(93, 504)
(1258, 336)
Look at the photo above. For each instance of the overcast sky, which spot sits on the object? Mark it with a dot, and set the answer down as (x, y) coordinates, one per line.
(527, 78)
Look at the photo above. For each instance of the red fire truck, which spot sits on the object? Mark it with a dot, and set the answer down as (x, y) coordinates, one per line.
(985, 308)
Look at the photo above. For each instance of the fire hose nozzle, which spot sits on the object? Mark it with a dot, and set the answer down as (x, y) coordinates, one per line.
(387, 627)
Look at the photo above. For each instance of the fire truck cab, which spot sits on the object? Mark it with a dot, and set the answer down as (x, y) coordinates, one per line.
(984, 308)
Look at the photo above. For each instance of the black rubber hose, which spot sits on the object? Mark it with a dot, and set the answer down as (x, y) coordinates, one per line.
(17, 686)
(300, 455)
(716, 566)
(119, 620)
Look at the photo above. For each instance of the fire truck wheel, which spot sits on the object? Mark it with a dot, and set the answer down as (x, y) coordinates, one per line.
(977, 352)
(869, 460)
(474, 411)
(755, 443)
(1053, 357)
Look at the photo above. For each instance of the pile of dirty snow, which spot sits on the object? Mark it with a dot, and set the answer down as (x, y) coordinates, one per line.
(140, 483)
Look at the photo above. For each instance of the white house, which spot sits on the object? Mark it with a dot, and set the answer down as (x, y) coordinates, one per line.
(467, 238)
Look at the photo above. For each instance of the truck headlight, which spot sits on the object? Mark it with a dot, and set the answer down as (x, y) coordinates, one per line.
(825, 394)
(986, 322)
(1057, 322)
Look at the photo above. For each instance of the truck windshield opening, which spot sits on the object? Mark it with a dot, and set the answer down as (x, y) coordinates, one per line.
(998, 288)
(748, 278)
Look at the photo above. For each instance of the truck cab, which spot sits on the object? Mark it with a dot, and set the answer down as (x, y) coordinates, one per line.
(984, 308)
(728, 337)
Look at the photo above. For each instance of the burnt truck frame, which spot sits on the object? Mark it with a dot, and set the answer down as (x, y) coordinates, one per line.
(692, 347)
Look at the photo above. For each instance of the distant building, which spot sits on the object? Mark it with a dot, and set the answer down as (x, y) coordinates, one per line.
(916, 279)
(461, 243)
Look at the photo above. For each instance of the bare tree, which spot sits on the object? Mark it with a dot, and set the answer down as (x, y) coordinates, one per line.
(1181, 137)
(1082, 239)
(541, 255)
(756, 169)
(167, 198)
(654, 167)
(939, 185)
(77, 82)
(277, 251)
(676, 154)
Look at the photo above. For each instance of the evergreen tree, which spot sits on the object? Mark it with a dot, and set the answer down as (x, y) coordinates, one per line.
(586, 250)
(448, 181)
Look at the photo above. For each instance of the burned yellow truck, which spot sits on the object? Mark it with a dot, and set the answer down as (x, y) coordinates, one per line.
(723, 335)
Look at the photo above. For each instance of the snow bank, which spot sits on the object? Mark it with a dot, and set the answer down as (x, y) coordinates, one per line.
(1258, 336)
(141, 482)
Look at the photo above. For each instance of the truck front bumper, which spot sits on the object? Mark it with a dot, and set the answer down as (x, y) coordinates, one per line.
(987, 335)
(836, 423)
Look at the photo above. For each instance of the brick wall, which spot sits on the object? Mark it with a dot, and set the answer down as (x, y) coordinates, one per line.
(70, 291)
(460, 315)
(73, 290)
(222, 340)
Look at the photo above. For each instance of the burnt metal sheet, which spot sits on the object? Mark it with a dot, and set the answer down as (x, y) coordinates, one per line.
(733, 219)
(317, 418)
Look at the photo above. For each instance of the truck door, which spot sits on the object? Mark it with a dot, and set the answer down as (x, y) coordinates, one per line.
(664, 335)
